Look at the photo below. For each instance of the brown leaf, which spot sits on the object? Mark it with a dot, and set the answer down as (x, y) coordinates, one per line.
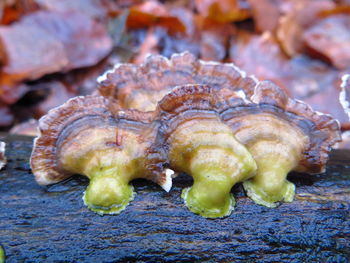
(304, 78)
(266, 14)
(223, 11)
(29, 128)
(57, 95)
(329, 39)
(47, 42)
(152, 13)
(13, 10)
(298, 16)
(90, 8)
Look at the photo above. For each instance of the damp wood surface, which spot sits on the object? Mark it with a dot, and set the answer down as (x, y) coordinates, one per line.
(51, 224)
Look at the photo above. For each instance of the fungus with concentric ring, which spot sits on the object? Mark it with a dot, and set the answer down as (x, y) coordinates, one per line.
(199, 143)
(142, 86)
(91, 136)
(283, 135)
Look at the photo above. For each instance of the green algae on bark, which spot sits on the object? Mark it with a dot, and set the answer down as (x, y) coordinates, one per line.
(89, 136)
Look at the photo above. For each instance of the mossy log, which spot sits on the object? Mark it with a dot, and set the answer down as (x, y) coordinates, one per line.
(51, 224)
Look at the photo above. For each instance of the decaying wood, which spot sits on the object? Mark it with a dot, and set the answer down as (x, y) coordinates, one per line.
(51, 224)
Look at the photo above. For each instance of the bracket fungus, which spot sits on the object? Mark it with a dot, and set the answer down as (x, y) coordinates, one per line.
(206, 119)
(142, 86)
(283, 135)
(205, 129)
(91, 136)
(2, 155)
(203, 146)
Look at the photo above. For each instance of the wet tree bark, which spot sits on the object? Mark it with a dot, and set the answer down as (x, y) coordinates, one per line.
(51, 224)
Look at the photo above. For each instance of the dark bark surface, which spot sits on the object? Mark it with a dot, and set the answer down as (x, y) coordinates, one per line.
(51, 224)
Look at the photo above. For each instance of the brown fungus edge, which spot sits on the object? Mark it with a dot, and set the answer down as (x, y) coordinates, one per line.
(52, 127)
(159, 73)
